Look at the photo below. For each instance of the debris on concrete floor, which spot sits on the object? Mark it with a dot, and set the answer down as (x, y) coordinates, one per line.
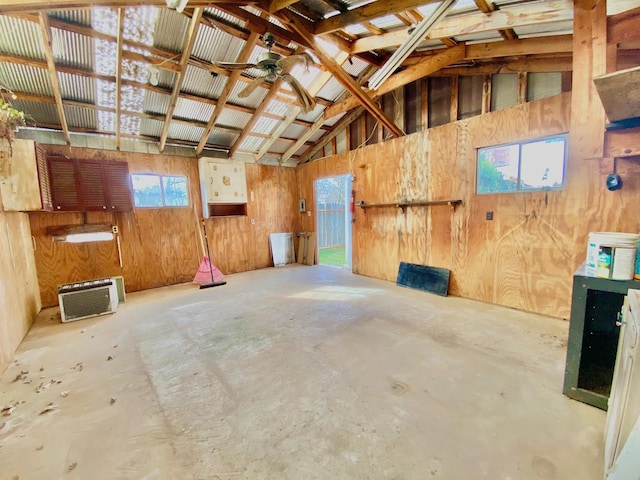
(49, 408)
(72, 466)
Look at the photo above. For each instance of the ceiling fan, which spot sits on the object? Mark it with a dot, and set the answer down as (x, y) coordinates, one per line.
(275, 65)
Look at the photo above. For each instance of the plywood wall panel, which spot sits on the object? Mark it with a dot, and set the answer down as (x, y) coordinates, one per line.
(161, 246)
(19, 291)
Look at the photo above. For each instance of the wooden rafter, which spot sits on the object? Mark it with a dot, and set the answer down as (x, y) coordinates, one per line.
(246, 131)
(318, 124)
(12, 6)
(275, 5)
(343, 77)
(226, 91)
(346, 120)
(507, 17)
(294, 111)
(487, 6)
(415, 72)
(192, 31)
(45, 30)
(368, 12)
(120, 27)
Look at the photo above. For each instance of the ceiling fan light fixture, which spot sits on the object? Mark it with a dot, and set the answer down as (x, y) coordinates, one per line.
(154, 75)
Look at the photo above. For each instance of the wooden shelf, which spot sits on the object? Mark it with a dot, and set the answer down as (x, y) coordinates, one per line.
(404, 205)
(226, 209)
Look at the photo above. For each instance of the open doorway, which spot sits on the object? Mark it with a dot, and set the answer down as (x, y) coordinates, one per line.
(333, 220)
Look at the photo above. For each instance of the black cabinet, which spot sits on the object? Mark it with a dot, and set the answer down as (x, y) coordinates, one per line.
(593, 337)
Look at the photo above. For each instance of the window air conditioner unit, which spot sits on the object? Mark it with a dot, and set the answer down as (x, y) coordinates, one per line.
(87, 299)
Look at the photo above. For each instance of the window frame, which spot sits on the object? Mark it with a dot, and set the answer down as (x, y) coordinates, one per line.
(161, 178)
(520, 144)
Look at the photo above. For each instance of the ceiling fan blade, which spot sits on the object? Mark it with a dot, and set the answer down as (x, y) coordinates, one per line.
(253, 84)
(234, 66)
(306, 101)
(287, 63)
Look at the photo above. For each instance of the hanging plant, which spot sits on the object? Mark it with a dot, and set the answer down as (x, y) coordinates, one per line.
(10, 117)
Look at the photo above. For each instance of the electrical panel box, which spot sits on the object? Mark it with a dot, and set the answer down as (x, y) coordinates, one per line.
(223, 186)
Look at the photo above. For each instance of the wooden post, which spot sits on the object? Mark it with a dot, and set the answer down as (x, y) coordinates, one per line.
(486, 94)
(523, 86)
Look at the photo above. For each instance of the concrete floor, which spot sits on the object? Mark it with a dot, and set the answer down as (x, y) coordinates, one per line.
(296, 373)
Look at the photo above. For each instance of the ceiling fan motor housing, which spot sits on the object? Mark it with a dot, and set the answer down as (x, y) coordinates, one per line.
(269, 61)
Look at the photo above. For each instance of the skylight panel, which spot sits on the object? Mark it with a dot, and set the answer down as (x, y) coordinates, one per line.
(138, 26)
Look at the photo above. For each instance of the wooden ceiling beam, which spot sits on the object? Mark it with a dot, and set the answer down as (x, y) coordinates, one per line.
(226, 91)
(528, 65)
(275, 5)
(13, 6)
(47, 41)
(507, 17)
(412, 73)
(120, 28)
(192, 31)
(246, 131)
(487, 6)
(624, 26)
(365, 13)
(343, 77)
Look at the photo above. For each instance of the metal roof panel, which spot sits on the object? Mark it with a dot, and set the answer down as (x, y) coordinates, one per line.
(225, 17)
(233, 118)
(265, 125)
(295, 130)
(192, 110)
(313, 115)
(213, 44)
(181, 131)
(171, 29)
(150, 127)
(42, 113)
(21, 37)
(78, 117)
(72, 49)
(251, 143)
(75, 87)
(200, 82)
(22, 78)
(155, 102)
(79, 17)
(222, 138)
(331, 90)
(252, 101)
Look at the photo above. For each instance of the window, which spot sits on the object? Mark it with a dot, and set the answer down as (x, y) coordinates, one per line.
(524, 166)
(160, 190)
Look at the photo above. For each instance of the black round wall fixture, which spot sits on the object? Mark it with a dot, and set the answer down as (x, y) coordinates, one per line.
(614, 182)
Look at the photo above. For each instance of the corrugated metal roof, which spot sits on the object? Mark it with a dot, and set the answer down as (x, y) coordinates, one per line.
(79, 17)
(41, 112)
(166, 78)
(225, 17)
(388, 22)
(295, 130)
(280, 146)
(428, 9)
(200, 82)
(72, 49)
(155, 102)
(193, 110)
(265, 125)
(22, 78)
(75, 87)
(233, 118)
(150, 127)
(213, 44)
(80, 117)
(255, 54)
(333, 120)
(252, 144)
(170, 30)
(278, 108)
(252, 101)
(20, 37)
(556, 28)
(316, 136)
(355, 66)
(320, 7)
(331, 90)
(181, 131)
(222, 138)
(462, 6)
(479, 37)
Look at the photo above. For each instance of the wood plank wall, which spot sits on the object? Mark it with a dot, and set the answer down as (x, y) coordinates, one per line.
(525, 258)
(161, 246)
(19, 292)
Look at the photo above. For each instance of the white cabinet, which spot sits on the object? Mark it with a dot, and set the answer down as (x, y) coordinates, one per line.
(223, 185)
(622, 433)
